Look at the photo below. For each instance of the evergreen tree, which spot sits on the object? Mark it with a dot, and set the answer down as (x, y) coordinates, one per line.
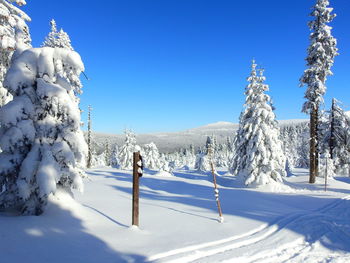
(151, 156)
(57, 38)
(259, 158)
(295, 141)
(114, 160)
(43, 145)
(336, 138)
(321, 53)
(229, 144)
(107, 154)
(127, 151)
(14, 36)
(202, 163)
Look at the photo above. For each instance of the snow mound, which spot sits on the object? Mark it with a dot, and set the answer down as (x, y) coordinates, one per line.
(163, 174)
(276, 187)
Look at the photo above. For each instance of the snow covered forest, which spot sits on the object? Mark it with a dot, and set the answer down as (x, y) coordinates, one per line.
(283, 185)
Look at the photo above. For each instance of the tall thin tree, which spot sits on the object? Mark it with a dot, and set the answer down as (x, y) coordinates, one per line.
(89, 140)
(321, 53)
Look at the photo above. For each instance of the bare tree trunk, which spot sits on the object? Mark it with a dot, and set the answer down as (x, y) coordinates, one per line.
(332, 136)
(89, 157)
(317, 144)
(312, 177)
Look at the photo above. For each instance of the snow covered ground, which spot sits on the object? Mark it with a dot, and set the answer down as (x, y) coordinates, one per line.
(296, 222)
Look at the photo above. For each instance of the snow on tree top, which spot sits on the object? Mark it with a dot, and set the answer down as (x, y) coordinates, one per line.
(39, 62)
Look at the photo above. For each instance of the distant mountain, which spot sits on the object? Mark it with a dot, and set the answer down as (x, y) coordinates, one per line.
(170, 141)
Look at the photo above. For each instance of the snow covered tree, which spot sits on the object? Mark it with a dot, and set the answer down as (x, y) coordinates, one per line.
(335, 135)
(295, 141)
(222, 156)
(259, 158)
(151, 156)
(127, 151)
(114, 159)
(43, 145)
(107, 153)
(89, 140)
(229, 144)
(98, 159)
(61, 40)
(321, 53)
(189, 158)
(14, 36)
(202, 162)
(209, 142)
(57, 38)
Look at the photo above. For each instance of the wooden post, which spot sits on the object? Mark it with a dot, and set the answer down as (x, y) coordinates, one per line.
(216, 190)
(135, 189)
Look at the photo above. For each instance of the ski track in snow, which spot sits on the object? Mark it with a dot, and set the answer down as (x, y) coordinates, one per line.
(269, 242)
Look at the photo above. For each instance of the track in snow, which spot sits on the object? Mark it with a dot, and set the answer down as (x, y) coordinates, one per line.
(279, 241)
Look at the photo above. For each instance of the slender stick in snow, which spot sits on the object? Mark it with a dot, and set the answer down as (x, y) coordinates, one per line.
(216, 190)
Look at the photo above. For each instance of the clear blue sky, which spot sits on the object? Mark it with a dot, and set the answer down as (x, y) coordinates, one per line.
(169, 65)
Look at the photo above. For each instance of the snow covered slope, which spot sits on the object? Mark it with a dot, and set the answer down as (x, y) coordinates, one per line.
(296, 222)
(167, 142)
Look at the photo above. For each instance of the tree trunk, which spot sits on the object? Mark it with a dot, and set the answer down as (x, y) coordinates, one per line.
(312, 177)
(317, 144)
(332, 136)
(89, 158)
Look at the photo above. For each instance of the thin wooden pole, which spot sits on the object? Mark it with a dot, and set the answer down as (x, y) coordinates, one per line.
(216, 190)
(135, 190)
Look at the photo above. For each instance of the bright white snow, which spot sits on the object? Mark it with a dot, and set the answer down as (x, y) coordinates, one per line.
(295, 222)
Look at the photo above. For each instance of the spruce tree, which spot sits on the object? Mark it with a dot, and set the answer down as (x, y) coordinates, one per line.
(114, 159)
(151, 156)
(258, 155)
(43, 145)
(107, 153)
(127, 150)
(337, 137)
(321, 53)
(57, 38)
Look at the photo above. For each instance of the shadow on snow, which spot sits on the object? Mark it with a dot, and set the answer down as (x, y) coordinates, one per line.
(56, 236)
(330, 225)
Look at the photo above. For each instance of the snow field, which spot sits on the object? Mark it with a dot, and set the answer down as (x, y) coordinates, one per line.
(179, 222)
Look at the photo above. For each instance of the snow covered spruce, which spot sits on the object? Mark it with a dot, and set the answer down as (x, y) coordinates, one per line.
(151, 156)
(57, 38)
(321, 53)
(258, 158)
(43, 146)
(127, 150)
